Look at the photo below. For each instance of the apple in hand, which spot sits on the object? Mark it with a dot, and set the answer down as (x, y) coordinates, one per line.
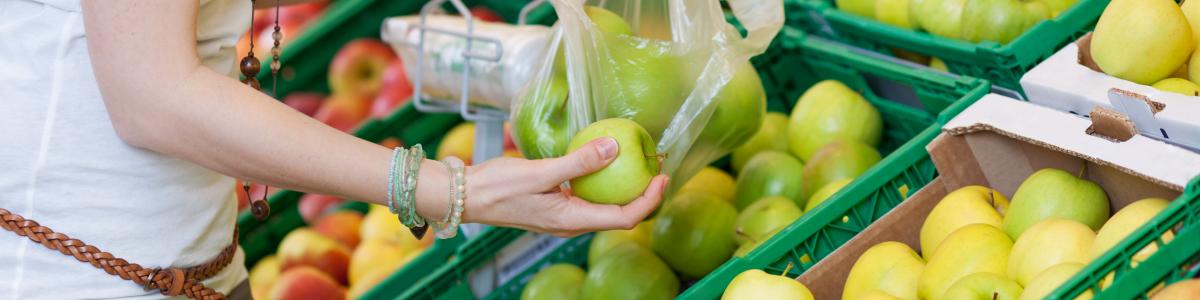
(984, 286)
(395, 92)
(628, 175)
(763, 217)
(557, 282)
(1053, 193)
(756, 284)
(358, 67)
(890, 267)
(343, 112)
(540, 120)
(965, 206)
(305, 103)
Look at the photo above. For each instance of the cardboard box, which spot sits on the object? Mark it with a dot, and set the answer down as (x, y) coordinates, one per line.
(1000, 141)
(1063, 82)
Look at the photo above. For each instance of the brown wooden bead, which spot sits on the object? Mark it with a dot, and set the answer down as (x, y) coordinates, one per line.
(253, 82)
(250, 66)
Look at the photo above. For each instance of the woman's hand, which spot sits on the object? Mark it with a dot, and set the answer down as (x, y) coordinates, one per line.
(526, 194)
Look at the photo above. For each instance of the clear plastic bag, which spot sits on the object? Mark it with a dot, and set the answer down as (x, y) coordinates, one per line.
(665, 76)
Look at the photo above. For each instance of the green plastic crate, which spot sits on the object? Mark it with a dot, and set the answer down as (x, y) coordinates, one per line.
(794, 62)
(1178, 259)
(1003, 65)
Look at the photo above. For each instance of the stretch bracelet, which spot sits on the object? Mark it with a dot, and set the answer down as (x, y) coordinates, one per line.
(448, 226)
(407, 198)
(392, 181)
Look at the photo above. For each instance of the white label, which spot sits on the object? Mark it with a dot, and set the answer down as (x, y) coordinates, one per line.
(510, 261)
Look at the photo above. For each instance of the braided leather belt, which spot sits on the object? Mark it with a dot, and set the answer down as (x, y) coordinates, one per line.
(170, 282)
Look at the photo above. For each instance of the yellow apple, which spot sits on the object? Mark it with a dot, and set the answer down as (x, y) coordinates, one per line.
(972, 249)
(609, 239)
(381, 224)
(1047, 281)
(1183, 290)
(965, 206)
(1046, 244)
(1124, 222)
(376, 256)
(1142, 41)
(755, 284)
(891, 267)
(458, 142)
(712, 181)
(984, 286)
(876, 295)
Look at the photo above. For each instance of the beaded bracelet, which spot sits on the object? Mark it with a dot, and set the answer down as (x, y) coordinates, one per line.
(402, 186)
(448, 227)
(397, 162)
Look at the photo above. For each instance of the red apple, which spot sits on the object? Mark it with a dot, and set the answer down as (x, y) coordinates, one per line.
(313, 206)
(343, 112)
(486, 14)
(306, 103)
(358, 67)
(391, 143)
(395, 92)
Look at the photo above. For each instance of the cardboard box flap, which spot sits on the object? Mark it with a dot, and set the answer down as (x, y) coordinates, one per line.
(1169, 166)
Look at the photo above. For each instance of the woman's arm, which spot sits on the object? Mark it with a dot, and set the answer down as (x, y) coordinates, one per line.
(160, 97)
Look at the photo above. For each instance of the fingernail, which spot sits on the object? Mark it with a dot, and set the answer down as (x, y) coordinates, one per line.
(608, 148)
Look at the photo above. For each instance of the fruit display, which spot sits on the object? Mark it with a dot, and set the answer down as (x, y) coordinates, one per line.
(1155, 53)
(974, 21)
(341, 256)
(974, 243)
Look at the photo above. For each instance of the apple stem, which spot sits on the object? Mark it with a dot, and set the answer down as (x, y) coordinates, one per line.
(995, 295)
(785, 270)
(1083, 170)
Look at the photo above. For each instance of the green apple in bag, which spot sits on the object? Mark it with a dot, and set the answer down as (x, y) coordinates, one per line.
(540, 123)
(738, 110)
(640, 80)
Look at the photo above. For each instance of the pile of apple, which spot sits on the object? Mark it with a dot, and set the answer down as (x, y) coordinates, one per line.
(1150, 42)
(975, 21)
(786, 165)
(341, 249)
(977, 245)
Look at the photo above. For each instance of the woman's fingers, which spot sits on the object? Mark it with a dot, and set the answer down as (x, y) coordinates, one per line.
(587, 216)
(590, 158)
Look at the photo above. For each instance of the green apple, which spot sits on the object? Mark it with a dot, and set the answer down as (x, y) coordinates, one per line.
(712, 181)
(694, 233)
(747, 247)
(891, 267)
(1054, 193)
(984, 286)
(640, 82)
(964, 206)
(971, 249)
(755, 284)
(1046, 244)
(763, 217)
(558, 281)
(825, 192)
(539, 121)
(1039, 9)
(1193, 67)
(770, 173)
(628, 175)
(609, 239)
(1049, 280)
(939, 17)
(837, 160)
(1183, 290)
(1124, 222)
(895, 13)
(1178, 85)
(829, 111)
(999, 21)
(738, 112)
(864, 8)
(629, 271)
(877, 295)
(772, 135)
(607, 21)
(1142, 41)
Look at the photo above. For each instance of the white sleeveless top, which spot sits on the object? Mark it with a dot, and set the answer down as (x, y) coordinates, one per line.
(62, 164)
